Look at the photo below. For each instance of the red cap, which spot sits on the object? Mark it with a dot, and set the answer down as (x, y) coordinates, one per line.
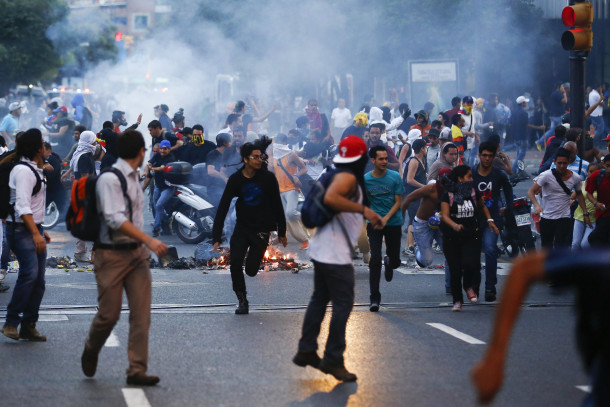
(607, 138)
(350, 149)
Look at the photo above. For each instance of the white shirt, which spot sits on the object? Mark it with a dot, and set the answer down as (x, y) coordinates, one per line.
(329, 244)
(593, 99)
(555, 202)
(342, 117)
(21, 193)
(114, 207)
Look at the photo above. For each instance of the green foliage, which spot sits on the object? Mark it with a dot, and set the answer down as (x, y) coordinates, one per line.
(83, 38)
(26, 55)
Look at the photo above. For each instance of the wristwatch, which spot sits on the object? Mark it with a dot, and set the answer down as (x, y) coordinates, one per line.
(585, 214)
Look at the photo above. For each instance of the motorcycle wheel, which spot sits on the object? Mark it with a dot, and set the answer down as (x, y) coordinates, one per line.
(191, 236)
(51, 216)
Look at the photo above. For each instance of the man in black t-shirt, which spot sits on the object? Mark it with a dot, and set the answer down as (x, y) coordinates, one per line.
(162, 192)
(489, 181)
(62, 129)
(259, 211)
(157, 134)
(196, 151)
(589, 273)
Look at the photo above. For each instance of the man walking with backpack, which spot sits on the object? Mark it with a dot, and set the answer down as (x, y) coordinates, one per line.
(331, 253)
(122, 261)
(556, 187)
(26, 238)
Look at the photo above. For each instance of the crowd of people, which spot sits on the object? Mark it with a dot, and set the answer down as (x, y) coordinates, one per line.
(443, 182)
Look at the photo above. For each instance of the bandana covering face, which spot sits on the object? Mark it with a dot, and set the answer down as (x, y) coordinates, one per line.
(460, 190)
(466, 110)
(85, 145)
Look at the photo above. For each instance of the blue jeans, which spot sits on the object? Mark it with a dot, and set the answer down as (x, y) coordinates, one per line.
(335, 283)
(6, 250)
(598, 123)
(521, 150)
(423, 237)
(555, 121)
(161, 197)
(30, 286)
(580, 235)
(473, 154)
(490, 248)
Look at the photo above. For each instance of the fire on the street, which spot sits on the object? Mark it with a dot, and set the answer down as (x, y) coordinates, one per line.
(273, 260)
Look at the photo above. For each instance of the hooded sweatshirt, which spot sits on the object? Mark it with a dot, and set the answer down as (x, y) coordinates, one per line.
(439, 164)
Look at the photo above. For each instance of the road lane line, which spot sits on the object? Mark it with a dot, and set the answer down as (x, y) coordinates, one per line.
(455, 333)
(135, 398)
(112, 341)
(586, 389)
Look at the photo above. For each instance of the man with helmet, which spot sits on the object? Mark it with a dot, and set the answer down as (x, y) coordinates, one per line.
(422, 123)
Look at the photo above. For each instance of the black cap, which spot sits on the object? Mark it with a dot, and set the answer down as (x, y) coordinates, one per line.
(434, 133)
(467, 99)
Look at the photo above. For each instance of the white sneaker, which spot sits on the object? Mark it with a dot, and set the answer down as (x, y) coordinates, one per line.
(457, 306)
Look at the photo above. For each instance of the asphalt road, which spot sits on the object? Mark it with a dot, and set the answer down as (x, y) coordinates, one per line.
(405, 355)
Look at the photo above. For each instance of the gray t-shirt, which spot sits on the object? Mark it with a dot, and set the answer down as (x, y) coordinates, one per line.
(555, 202)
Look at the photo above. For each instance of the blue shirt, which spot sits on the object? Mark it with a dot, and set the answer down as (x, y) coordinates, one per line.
(575, 165)
(518, 121)
(381, 192)
(9, 124)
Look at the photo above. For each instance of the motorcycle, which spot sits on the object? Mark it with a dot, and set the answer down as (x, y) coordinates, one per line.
(192, 216)
(517, 234)
(521, 175)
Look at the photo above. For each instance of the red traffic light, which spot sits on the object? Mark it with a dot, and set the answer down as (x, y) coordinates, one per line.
(579, 16)
(118, 36)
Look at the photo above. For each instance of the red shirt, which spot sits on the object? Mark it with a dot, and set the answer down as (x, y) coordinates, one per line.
(603, 193)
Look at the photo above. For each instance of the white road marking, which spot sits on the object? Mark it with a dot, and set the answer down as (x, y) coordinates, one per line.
(112, 341)
(586, 389)
(135, 398)
(410, 269)
(455, 333)
(47, 318)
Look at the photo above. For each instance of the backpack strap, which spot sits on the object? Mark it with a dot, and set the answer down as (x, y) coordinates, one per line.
(123, 181)
(600, 177)
(560, 182)
(39, 181)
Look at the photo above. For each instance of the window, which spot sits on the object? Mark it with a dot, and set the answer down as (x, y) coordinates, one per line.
(140, 22)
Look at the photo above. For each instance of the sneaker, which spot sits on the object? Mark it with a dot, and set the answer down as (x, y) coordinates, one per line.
(4, 287)
(472, 296)
(338, 371)
(374, 306)
(81, 257)
(409, 251)
(538, 146)
(490, 296)
(155, 233)
(388, 271)
(305, 245)
(437, 248)
(457, 306)
(10, 332)
(2, 275)
(366, 258)
(306, 359)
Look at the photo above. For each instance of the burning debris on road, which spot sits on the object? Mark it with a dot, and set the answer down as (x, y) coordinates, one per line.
(273, 260)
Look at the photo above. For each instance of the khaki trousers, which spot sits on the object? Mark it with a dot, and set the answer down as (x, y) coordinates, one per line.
(115, 270)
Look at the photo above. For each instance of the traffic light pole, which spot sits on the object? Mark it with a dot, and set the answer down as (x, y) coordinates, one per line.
(578, 61)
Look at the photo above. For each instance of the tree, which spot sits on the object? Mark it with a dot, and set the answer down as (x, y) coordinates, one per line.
(83, 38)
(26, 54)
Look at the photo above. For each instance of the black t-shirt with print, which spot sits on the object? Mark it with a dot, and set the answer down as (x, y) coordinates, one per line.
(463, 214)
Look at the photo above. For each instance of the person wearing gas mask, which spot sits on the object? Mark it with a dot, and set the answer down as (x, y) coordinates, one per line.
(118, 119)
(196, 151)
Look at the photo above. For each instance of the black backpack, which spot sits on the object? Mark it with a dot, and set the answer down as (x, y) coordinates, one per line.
(83, 219)
(314, 213)
(6, 209)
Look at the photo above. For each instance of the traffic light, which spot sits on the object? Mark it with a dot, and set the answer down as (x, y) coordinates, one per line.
(580, 37)
(118, 36)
